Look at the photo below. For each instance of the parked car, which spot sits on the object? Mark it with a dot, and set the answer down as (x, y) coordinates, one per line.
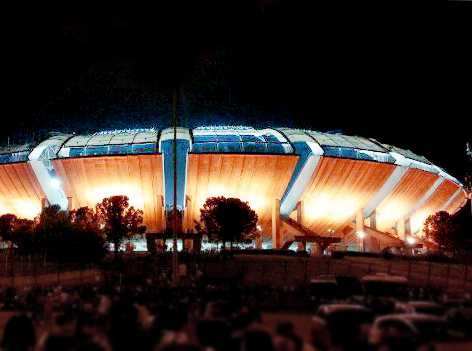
(383, 291)
(425, 307)
(411, 330)
(324, 289)
(341, 325)
(461, 321)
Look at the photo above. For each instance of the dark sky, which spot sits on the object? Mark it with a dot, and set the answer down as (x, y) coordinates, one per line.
(402, 78)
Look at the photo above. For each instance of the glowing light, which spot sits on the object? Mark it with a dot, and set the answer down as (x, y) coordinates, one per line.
(361, 234)
(326, 206)
(134, 194)
(410, 240)
(387, 215)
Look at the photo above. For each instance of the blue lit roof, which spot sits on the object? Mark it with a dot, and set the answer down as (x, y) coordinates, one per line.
(228, 139)
(239, 139)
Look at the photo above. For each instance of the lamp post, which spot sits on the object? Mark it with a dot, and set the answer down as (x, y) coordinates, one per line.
(175, 259)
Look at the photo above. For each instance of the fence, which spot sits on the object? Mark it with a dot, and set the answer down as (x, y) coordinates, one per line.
(299, 271)
(16, 271)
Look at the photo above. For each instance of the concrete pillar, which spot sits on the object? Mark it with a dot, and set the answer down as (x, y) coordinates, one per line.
(160, 214)
(276, 234)
(259, 240)
(300, 212)
(401, 231)
(302, 246)
(188, 244)
(373, 219)
(360, 229)
(188, 213)
(160, 243)
(69, 204)
(407, 227)
(316, 250)
(44, 203)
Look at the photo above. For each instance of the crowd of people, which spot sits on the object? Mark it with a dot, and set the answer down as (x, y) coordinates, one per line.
(144, 316)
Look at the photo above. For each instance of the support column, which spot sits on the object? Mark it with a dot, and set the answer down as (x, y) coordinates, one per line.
(302, 246)
(300, 212)
(401, 230)
(300, 219)
(373, 219)
(44, 203)
(276, 234)
(188, 213)
(360, 230)
(161, 217)
(259, 238)
(69, 204)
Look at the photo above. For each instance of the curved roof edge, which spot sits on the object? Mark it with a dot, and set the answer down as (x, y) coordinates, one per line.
(223, 139)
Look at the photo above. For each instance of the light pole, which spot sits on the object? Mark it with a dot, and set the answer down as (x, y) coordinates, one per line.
(175, 258)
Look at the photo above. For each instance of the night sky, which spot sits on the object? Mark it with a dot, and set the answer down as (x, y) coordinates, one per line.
(401, 77)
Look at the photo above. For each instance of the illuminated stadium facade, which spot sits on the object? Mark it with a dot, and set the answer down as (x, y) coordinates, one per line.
(301, 183)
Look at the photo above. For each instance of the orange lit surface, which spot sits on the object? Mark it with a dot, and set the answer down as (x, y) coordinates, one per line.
(89, 180)
(414, 184)
(457, 203)
(20, 192)
(338, 189)
(434, 204)
(257, 179)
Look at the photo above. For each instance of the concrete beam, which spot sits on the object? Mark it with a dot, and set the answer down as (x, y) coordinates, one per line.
(424, 198)
(448, 202)
(401, 229)
(306, 167)
(385, 190)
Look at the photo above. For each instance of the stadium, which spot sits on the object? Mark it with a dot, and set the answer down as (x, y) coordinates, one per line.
(308, 187)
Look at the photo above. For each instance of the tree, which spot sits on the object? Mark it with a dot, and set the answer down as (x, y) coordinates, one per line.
(53, 235)
(440, 228)
(119, 220)
(227, 219)
(7, 224)
(90, 244)
(22, 236)
(74, 236)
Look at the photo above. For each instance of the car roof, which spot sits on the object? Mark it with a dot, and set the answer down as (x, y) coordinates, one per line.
(341, 307)
(385, 278)
(417, 317)
(424, 304)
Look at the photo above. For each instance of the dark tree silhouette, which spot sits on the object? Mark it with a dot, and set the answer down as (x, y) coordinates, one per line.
(53, 234)
(119, 220)
(451, 232)
(22, 236)
(227, 219)
(440, 228)
(62, 236)
(90, 243)
(7, 225)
